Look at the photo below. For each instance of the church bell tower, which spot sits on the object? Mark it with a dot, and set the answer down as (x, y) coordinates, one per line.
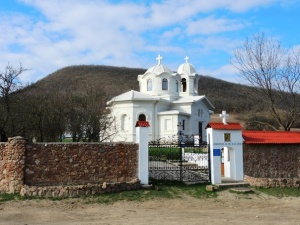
(189, 79)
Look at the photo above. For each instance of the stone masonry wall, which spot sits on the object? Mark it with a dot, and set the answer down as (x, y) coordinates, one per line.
(272, 165)
(67, 169)
(78, 190)
(2, 153)
(80, 163)
(3, 179)
(12, 165)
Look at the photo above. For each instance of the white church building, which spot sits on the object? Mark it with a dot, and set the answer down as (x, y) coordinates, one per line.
(168, 100)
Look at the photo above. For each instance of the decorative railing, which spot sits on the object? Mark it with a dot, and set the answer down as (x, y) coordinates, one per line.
(186, 140)
(178, 158)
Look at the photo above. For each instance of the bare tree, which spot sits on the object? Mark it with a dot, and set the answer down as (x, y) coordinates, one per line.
(108, 127)
(76, 116)
(9, 83)
(95, 113)
(88, 119)
(275, 71)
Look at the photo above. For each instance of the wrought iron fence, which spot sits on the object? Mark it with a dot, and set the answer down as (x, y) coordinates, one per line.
(177, 158)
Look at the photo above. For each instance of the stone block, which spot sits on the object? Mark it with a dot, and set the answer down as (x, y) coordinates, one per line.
(209, 188)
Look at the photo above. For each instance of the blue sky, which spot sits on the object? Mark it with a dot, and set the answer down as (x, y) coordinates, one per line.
(46, 35)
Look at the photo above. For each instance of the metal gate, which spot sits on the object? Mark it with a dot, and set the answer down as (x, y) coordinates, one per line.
(182, 160)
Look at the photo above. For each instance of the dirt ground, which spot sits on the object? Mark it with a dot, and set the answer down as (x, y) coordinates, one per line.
(227, 208)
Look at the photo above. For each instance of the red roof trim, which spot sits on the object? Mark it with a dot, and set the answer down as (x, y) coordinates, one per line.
(142, 124)
(271, 137)
(222, 126)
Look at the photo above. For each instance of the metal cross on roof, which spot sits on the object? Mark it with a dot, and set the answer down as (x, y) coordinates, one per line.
(159, 58)
(180, 126)
(186, 59)
(224, 115)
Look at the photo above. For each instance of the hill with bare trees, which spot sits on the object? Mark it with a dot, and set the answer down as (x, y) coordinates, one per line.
(73, 99)
(116, 80)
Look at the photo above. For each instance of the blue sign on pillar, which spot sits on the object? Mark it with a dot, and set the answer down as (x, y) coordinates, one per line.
(217, 152)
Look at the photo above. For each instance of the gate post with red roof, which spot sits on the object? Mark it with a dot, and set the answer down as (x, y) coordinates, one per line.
(225, 138)
(142, 138)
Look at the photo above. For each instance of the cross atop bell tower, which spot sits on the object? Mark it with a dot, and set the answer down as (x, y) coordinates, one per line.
(159, 58)
(186, 59)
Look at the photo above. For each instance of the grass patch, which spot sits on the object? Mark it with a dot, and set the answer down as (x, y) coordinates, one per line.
(172, 152)
(178, 189)
(8, 197)
(281, 192)
(160, 190)
(164, 153)
(68, 140)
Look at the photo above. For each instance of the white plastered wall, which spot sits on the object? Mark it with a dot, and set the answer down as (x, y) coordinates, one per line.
(234, 166)
(167, 125)
(195, 118)
(118, 111)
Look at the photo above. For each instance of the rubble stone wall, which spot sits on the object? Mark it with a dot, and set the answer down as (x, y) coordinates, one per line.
(2, 162)
(78, 190)
(38, 169)
(12, 165)
(272, 165)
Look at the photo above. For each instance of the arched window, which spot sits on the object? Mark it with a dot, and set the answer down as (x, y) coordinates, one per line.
(165, 84)
(183, 85)
(195, 86)
(142, 117)
(177, 86)
(149, 85)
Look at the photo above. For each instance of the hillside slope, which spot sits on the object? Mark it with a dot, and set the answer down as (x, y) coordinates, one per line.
(113, 80)
(74, 99)
(116, 80)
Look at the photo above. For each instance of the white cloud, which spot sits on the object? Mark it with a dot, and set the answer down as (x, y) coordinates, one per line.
(69, 32)
(212, 25)
(220, 43)
(169, 10)
(244, 5)
(170, 34)
(226, 72)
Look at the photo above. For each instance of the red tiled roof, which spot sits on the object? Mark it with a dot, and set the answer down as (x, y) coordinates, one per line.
(271, 137)
(222, 126)
(142, 124)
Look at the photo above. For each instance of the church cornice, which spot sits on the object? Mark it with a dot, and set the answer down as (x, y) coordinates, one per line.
(148, 74)
(133, 96)
(193, 99)
(174, 112)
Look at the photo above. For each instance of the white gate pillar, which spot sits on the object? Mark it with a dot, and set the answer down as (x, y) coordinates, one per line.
(142, 138)
(229, 137)
(215, 159)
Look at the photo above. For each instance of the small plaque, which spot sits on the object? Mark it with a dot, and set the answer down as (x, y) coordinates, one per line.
(217, 152)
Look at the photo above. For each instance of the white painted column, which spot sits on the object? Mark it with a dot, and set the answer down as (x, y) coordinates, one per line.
(215, 166)
(237, 168)
(215, 159)
(142, 139)
(227, 167)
